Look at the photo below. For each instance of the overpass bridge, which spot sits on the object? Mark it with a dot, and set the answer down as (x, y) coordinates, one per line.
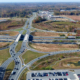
(26, 38)
(17, 39)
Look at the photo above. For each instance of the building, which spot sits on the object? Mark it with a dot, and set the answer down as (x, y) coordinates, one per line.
(45, 14)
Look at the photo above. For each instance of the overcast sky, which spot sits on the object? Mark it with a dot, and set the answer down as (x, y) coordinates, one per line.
(39, 0)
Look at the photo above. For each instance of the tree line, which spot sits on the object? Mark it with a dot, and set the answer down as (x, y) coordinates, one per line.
(26, 9)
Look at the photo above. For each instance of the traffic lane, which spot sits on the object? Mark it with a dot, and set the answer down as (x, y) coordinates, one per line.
(3, 67)
(52, 53)
(56, 39)
(17, 67)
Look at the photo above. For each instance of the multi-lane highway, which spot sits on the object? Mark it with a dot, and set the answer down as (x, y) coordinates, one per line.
(15, 55)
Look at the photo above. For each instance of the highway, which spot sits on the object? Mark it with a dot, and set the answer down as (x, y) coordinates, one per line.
(3, 20)
(50, 38)
(15, 55)
(37, 37)
(48, 54)
(47, 42)
(7, 40)
(31, 62)
(18, 63)
(4, 66)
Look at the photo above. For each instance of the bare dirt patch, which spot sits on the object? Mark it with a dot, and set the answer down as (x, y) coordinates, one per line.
(4, 44)
(11, 24)
(61, 19)
(10, 33)
(74, 17)
(54, 47)
(46, 34)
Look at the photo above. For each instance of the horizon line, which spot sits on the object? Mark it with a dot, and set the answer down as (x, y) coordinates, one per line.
(41, 2)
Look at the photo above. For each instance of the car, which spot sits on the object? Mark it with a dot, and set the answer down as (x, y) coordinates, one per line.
(59, 73)
(38, 58)
(65, 78)
(14, 73)
(37, 79)
(49, 54)
(45, 74)
(32, 75)
(50, 74)
(60, 79)
(16, 68)
(64, 74)
(79, 75)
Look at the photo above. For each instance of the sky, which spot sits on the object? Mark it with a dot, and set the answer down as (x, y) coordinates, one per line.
(39, 1)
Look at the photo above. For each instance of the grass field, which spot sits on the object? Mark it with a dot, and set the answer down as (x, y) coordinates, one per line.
(10, 33)
(11, 24)
(19, 29)
(24, 32)
(5, 44)
(68, 63)
(9, 70)
(53, 62)
(18, 47)
(4, 55)
(46, 34)
(53, 47)
(29, 55)
(18, 19)
(57, 26)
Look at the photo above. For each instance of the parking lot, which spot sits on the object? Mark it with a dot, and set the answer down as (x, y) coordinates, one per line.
(51, 75)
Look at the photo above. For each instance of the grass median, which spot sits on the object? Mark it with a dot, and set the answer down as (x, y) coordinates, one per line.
(18, 29)
(18, 47)
(29, 55)
(24, 32)
(4, 55)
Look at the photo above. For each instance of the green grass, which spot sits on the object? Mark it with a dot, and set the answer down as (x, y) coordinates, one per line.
(49, 61)
(24, 32)
(76, 64)
(9, 70)
(29, 55)
(19, 29)
(18, 47)
(57, 25)
(4, 55)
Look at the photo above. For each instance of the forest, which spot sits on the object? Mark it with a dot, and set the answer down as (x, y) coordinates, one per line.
(26, 9)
